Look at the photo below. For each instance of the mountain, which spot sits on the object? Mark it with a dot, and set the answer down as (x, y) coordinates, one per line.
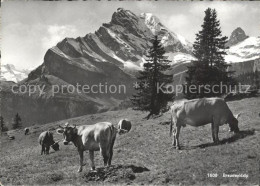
(247, 50)
(243, 55)
(237, 36)
(244, 52)
(111, 56)
(10, 73)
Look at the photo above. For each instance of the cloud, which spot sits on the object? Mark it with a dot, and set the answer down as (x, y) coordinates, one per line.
(25, 45)
(30, 31)
(55, 33)
(231, 15)
(146, 6)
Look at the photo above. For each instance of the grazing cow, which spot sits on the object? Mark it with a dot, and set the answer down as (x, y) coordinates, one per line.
(46, 141)
(98, 137)
(26, 131)
(200, 112)
(124, 126)
(11, 137)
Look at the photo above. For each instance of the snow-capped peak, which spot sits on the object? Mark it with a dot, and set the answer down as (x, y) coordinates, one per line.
(157, 28)
(152, 22)
(10, 73)
(249, 49)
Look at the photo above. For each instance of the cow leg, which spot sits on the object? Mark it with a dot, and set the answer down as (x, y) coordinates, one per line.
(103, 152)
(91, 157)
(47, 149)
(80, 160)
(213, 132)
(216, 134)
(174, 138)
(111, 152)
(43, 151)
(177, 137)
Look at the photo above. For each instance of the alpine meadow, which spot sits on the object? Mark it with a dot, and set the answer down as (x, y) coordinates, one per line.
(129, 93)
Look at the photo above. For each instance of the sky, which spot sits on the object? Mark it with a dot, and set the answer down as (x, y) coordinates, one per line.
(30, 28)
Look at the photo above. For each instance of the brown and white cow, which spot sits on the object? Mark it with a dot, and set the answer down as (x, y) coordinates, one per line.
(124, 126)
(199, 112)
(98, 137)
(26, 131)
(46, 141)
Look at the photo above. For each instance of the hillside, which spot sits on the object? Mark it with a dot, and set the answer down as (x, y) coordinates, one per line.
(143, 156)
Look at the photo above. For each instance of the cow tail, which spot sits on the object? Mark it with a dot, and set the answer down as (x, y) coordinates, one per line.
(171, 126)
(112, 131)
(112, 138)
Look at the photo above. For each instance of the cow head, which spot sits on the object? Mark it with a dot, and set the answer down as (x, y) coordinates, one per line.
(56, 146)
(124, 126)
(69, 133)
(234, 124)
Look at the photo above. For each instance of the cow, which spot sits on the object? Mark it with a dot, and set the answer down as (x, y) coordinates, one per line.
(26, 131)
(124, 126)
(46, 141)
(98, 137)
(199, 112)
(11, 137)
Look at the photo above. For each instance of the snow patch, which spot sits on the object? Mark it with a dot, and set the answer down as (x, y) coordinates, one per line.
(249, 49)
(179, 57)
(118, 59)
(131, 65)
(182, 39)
(10, 73)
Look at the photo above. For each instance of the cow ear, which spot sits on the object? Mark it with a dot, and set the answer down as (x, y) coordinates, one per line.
(238, 115)
(60, 131)
(74, 126)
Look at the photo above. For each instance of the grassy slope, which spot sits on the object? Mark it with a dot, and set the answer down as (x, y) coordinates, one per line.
(148, 144)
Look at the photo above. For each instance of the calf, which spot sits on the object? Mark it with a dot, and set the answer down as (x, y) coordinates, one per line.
(46, 141)
(26, 131)
(199, 112)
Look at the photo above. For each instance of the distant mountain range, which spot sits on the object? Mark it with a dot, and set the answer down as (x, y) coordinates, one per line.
(10, 73)
(111, 55)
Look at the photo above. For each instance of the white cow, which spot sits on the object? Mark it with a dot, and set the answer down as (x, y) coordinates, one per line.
(199, 112)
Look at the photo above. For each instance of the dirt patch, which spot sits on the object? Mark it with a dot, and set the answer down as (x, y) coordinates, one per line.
(115, 173)
(165, 123)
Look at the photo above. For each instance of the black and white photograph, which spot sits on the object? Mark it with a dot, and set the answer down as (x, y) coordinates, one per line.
(129, 92)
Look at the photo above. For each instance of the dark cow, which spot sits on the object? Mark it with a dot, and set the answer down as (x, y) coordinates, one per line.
(11, 137)
(199, 112)
(26, 131)
(98, 137)
(46, 141)
(124, 126)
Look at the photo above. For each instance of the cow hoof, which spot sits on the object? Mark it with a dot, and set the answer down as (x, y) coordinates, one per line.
(80, 170)
(178, 148)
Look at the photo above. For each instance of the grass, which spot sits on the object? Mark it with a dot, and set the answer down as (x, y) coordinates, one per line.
(147, 145)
